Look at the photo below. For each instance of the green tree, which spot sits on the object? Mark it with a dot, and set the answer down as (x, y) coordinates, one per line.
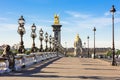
(118, 52)
(27, 52)
(109, 53)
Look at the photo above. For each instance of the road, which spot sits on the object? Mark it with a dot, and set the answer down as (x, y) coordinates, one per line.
(67, 68)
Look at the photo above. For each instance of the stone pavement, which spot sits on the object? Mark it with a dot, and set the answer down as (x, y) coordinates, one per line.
(67, 68)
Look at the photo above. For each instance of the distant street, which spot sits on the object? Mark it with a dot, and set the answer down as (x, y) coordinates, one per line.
(68, 68)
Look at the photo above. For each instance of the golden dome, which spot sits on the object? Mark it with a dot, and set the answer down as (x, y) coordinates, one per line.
(77, 38)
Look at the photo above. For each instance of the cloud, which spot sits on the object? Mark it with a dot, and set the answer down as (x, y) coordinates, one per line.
(6, 27)
(107, 13)
(118, 12)
(77, 14)
(64, 22)
(99, 21)
(89, 21)
(41, 20)
(3, 19)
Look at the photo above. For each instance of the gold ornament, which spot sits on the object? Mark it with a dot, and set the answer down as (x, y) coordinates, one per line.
(56, 19)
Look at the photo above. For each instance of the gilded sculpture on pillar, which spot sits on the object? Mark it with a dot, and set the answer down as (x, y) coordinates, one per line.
(56, 19)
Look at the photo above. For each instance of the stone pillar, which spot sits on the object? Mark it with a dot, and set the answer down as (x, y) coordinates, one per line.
(57, 32)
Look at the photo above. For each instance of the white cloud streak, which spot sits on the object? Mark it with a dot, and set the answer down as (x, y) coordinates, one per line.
(6, 27)
(77, 14)
(107, 13)
(3, 19)
(90, 20)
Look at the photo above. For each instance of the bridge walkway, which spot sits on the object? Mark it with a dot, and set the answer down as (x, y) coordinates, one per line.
(67, 68)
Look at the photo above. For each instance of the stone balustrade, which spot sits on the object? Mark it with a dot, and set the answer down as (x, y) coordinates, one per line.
(25, 60)
(4, 65)
(18, 62)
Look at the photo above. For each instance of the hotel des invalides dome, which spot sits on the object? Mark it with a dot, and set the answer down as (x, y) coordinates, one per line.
(82, 51)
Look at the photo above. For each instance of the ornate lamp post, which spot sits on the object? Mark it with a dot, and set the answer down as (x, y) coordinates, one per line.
(50, 41)
(41, 38)
(88, 46)
(113, 10)
(94, 42)
(46, 40)
(21, 31)
(33, 35)
(53, 44)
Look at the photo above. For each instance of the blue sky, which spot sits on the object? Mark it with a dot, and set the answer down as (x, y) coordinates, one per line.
(76, 17)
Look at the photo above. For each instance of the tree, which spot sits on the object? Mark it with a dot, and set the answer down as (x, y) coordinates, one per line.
(118, 52)
(27, 52)
(109, 53)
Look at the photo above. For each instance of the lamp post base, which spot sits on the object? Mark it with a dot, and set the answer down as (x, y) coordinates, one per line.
(114, 63)
(21, 49)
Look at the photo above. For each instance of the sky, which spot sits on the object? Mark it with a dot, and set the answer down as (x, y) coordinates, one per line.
(76, 17)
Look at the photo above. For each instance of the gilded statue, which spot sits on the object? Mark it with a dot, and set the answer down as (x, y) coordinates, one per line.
(56, 19)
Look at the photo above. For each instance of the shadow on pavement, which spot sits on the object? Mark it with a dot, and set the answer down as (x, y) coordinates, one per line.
(94, 64)
(30, 71)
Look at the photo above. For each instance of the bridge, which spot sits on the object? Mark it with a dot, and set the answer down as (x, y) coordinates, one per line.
(51, 63)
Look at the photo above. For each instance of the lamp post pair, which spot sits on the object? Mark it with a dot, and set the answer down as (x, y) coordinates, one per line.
(41, 39)
(113, 10)
(21, 31)
(94, 44)
(48, 40)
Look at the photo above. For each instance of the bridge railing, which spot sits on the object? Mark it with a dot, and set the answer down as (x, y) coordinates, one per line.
(4, 65)
(26, 60)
